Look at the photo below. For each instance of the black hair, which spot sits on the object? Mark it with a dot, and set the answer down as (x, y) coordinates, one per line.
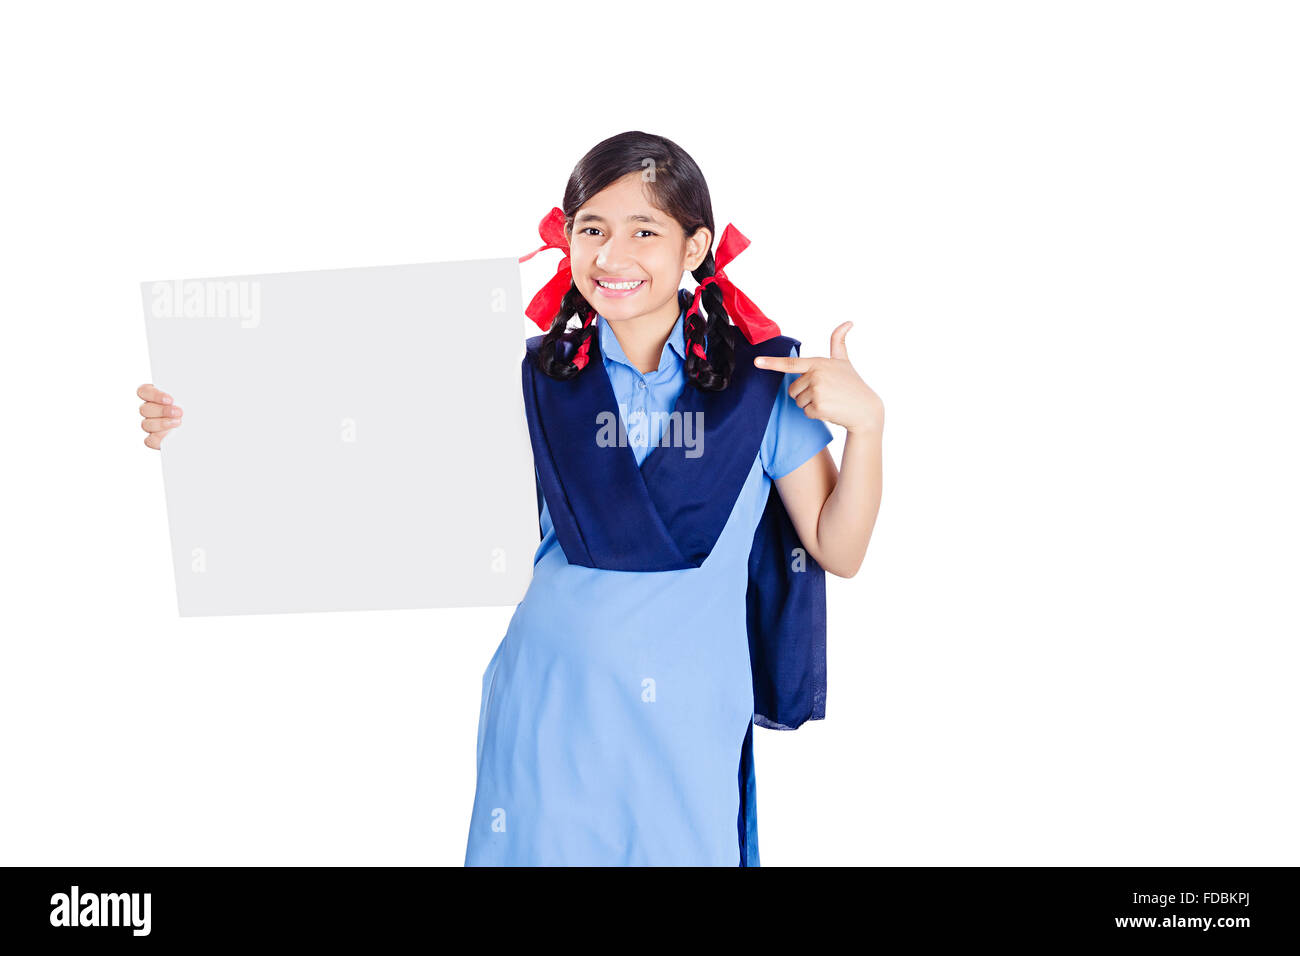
(677, 187)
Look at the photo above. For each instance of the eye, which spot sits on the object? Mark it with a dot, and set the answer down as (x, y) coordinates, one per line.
(587, 230)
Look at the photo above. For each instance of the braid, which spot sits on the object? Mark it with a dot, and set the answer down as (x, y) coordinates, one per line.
(563, 354)
(711, 333)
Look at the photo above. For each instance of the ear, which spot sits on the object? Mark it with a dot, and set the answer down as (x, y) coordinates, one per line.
(697, 248)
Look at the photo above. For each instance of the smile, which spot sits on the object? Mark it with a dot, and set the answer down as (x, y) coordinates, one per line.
(626, 286)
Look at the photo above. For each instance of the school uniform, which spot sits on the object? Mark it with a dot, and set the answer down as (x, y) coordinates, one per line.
(662, 622)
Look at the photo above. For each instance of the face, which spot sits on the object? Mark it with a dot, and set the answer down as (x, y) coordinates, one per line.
(619, 239)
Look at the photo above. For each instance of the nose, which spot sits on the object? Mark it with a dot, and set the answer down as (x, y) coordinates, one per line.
(614, 255)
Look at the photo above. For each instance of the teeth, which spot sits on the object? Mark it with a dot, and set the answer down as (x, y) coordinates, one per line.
(620, 286)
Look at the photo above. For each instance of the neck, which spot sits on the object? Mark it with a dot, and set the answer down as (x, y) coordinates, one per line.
(642, 337)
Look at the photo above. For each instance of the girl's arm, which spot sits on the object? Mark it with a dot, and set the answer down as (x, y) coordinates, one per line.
(835, 512)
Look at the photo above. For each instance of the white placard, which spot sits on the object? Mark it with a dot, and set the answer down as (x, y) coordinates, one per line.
(353, 439)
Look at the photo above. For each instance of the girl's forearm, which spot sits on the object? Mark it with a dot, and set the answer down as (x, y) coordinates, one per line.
(847, 518)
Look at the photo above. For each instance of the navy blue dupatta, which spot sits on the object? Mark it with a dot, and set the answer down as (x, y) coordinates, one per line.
(667, 513)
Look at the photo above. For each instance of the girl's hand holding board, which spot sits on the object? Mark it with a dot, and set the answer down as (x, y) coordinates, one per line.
(158, 415)
(830, 388)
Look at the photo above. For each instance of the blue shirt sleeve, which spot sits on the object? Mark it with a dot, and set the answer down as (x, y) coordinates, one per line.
(791, 437)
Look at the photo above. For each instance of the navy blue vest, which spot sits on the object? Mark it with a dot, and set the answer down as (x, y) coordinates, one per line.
(672, 508)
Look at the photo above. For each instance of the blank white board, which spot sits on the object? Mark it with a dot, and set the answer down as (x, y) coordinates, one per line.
(353, 439)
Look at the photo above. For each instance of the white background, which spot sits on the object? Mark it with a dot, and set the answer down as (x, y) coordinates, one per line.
(1067, 236)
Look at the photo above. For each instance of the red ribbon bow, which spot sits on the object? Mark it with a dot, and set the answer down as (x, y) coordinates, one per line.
(546, 303)
(748, 317)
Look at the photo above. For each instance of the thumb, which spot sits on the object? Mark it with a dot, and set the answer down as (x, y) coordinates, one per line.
(838, 349)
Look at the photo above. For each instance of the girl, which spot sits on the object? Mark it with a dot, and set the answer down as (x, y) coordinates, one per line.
(676, 598)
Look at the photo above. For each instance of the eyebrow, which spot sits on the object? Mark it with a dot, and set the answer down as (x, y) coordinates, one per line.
(592, 217)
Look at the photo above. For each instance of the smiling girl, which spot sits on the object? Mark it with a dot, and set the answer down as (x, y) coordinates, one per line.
(617, 712)
(677, 596)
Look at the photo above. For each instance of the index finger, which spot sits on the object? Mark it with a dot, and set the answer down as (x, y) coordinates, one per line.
(152, 394)
(789, 363)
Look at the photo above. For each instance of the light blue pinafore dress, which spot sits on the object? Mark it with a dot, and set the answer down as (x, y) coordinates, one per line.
(616, 708)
